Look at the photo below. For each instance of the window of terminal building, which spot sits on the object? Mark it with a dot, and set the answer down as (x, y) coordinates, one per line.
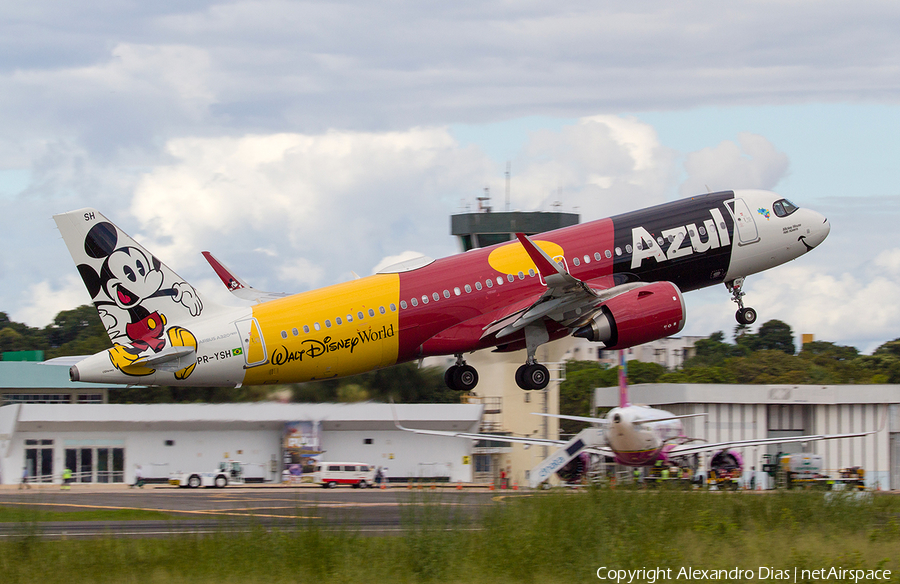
(36, 398)
(96, 461)
(39, 461)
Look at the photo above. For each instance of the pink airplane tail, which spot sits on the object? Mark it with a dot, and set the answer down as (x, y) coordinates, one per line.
(623, 381)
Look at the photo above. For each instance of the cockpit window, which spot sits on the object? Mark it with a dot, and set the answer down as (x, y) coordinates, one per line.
(783, 208)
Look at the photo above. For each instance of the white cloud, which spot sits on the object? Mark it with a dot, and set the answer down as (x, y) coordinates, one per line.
(42, 301)
(751, 163)
(600, 166)
(302, 272)
(336, 201)
(836, 305)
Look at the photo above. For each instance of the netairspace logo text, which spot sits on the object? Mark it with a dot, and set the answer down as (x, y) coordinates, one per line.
(652, 575)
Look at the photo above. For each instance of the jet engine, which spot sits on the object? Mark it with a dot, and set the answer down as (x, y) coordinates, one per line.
(641, 315)
(725, 468)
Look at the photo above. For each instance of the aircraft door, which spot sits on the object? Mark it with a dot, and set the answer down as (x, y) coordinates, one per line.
(252, 342)
(743, 220)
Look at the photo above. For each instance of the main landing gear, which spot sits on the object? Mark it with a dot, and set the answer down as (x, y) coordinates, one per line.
(743, 315)
(532, 376)
(461, 377)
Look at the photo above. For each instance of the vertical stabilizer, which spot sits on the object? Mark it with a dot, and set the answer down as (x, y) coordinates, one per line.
(146, 308)
(623, 381)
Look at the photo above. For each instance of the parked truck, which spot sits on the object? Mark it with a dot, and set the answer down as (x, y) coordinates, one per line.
(807, 470)
(229, 472)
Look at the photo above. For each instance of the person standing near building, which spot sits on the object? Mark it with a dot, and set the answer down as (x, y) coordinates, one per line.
(24, 482)
(67, 479)
(138, 477)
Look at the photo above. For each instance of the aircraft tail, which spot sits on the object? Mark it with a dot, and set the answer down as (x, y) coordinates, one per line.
(623, 381)
(141, 301)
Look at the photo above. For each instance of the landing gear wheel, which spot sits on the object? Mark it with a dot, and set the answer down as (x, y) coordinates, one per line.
(465, 378)
(461, 377)
(537, 376)
(745, 316)
(534, 376)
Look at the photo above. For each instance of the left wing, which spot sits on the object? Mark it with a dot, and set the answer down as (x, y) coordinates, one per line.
(498, 437)
(696, 449)
(568, 300)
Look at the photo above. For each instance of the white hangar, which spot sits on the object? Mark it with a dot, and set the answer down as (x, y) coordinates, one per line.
(105, 443)
(738, 412)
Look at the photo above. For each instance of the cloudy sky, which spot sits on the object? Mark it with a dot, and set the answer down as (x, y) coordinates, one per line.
(304, 141)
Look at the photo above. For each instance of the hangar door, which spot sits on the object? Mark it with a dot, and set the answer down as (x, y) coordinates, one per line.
(786, 421)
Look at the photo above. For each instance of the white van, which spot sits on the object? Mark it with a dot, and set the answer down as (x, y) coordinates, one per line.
(331, 474)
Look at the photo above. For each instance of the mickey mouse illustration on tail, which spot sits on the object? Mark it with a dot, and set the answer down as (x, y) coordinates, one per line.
(133, 292)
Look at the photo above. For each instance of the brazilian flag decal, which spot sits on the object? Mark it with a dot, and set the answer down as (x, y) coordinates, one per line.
(237, 352)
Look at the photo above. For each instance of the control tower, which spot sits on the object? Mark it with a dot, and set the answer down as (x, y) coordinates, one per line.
(485, 227)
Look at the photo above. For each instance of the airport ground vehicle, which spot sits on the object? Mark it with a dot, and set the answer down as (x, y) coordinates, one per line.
(331, 474)
(806, 470)
(228, 472)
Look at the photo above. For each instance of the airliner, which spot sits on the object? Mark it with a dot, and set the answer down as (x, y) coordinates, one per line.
(633, 435)
(616, 281)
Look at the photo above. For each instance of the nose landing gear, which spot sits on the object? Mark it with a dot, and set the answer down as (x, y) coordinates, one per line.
(744, 315)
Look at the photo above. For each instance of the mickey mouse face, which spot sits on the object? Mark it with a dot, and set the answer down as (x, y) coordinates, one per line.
(129, 277)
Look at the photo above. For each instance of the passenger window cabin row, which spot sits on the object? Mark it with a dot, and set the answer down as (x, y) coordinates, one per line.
(435, 296)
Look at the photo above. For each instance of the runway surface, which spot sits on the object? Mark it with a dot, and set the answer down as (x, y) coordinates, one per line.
(244, 508)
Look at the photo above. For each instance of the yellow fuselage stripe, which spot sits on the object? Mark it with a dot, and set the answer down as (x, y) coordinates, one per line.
(329, 349)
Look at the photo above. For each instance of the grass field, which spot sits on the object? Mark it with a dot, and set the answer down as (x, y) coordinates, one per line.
(554, 537)
(31, 515)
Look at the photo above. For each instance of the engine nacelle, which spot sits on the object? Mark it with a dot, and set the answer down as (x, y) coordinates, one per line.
(645, 314)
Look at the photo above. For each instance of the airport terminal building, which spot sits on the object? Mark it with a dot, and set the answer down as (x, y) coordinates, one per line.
(105, 443)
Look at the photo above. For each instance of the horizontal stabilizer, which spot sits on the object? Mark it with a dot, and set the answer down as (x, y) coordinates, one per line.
(166, 355)
(65, 361)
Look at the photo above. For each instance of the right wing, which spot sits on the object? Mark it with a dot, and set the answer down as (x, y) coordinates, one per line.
(684, 450)
(236, 285)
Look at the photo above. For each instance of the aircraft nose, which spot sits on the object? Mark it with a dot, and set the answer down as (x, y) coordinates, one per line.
(817, 232)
